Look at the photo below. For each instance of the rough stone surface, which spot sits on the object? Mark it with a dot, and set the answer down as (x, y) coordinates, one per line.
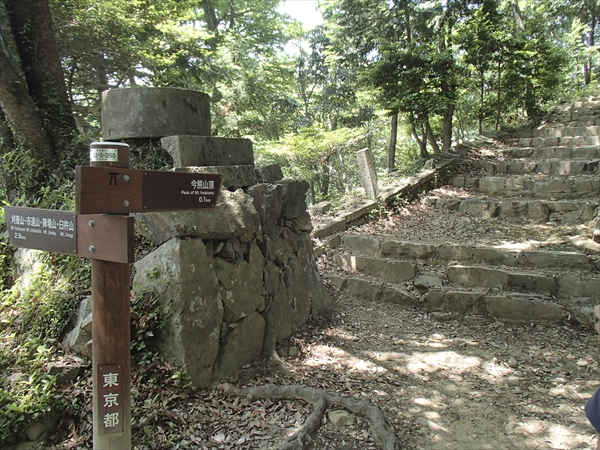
(264, 285)
(341, 418)
(242, 291)
(268, 202)
(180, 273)
(294, 198)
(141, 112)
(189, 150)
(242, 345)
(428, 281)
(269, 174)
(523, 308)
(386, 270)
(234, 216)
(364, 245)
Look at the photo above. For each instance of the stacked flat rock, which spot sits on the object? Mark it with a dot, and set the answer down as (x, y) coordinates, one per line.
(232, 279)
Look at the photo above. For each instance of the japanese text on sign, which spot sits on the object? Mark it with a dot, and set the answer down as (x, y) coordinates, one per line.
(110, 395)
(42, 229)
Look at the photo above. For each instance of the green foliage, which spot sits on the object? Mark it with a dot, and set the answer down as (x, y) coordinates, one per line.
(146, 320)
(35, 312)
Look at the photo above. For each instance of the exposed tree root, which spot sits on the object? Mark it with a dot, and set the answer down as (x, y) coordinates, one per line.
(381, 428)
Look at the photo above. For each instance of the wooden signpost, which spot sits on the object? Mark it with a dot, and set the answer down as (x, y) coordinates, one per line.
(100, 229)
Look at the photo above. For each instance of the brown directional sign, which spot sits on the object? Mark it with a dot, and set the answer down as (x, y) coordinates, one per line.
(96, 236)
(121, 191)
(108, 190)
(165, 191)
(106, 237)
(42, 229)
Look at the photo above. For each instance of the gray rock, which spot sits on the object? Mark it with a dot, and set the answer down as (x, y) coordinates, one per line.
(523, 308)
(393, 294)
(478, 208)
(65, 373)
(234, 216)
(492, 185)
(269, 174)
(400, 249)
(384, 269)
(180, 273)
(268, 202)
(455, 300)
(241, 346)
(294, 198)
(188, 150)
(428, 281)
(320, 208)
(17, 378)
(340, 418)
(242, 291)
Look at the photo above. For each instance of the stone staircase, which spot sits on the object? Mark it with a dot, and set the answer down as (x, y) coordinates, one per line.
(516, 245)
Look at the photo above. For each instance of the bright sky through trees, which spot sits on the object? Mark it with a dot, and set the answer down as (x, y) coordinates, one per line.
(306, 11)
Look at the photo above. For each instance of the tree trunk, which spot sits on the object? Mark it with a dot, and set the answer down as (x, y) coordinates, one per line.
(481, 98)
(587, 66)
(421, 141)
(20, 111)
(393, 141)
(209, 15)
(498, 96)
(45, 78)
(431, 137)
(517, 15)
(343, 176)
(447, 127)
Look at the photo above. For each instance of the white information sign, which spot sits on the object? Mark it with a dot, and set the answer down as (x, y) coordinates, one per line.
(104, 155)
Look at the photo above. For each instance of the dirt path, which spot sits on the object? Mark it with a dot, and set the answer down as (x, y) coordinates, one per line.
(451, 385)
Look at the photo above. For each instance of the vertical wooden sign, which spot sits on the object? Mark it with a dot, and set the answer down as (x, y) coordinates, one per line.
(111, 336)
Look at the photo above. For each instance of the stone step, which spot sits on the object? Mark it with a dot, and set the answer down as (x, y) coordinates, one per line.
(511, 307)
(561, 130)
(537, 187)
(375, 247)
(557, 141)
(541, 211)
(388, 270)
(458, 302)
(475, 276)
(564, 152)
(493, 278)
(560, 286)
(546, 166)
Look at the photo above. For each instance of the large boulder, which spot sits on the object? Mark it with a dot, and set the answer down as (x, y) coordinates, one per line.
(180, 273)
(234, 216)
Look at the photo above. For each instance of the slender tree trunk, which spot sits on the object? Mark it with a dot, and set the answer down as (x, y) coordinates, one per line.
(343, 175)
(498, 96)
(481, 98)
(31, 23)
(393, 141)
(587, 66)
(447, 127)
(421, 141)
(431, 137)
(517, 15)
